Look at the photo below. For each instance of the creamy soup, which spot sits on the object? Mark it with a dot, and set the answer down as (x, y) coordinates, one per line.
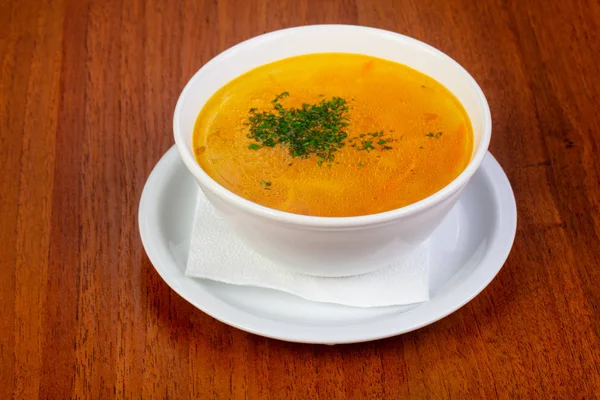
(333, 134)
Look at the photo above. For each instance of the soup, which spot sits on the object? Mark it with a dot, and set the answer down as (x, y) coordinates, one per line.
(334, 135)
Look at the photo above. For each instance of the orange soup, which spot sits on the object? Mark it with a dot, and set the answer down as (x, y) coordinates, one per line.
(334, 135)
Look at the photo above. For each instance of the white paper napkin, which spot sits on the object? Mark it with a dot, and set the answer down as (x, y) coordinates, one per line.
(218, 255)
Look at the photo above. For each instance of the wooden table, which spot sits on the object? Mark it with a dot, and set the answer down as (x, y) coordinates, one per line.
(87, 90)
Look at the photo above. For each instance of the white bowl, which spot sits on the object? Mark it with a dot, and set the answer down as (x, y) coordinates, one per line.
(331, 246)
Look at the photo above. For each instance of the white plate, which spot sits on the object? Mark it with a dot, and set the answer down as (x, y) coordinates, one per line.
(468, 250)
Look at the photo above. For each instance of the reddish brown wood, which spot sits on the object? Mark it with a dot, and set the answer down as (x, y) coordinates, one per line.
(87, 90)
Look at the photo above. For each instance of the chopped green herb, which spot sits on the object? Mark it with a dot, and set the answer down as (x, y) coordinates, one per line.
(317, 129)
(420, 147)
(430, 134)
(265, 184)
(434, 135)
(367, 145)
(360, 164)
(279, 97)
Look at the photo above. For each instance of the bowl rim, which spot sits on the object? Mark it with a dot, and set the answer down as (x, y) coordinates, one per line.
(278, 216)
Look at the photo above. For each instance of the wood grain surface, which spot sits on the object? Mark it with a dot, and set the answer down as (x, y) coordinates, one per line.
(87, 90)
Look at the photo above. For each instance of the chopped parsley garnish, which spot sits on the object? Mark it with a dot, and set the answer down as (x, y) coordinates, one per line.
(317, 129)
(265, 184)
(434, 135)
(367, 145)
(311, 130)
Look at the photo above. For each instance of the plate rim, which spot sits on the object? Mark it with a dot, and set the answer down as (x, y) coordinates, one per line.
(387, 326)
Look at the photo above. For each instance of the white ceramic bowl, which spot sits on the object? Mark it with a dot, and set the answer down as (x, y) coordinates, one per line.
(327, 246)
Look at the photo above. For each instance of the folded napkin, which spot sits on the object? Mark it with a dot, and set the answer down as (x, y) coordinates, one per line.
(217, 254)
